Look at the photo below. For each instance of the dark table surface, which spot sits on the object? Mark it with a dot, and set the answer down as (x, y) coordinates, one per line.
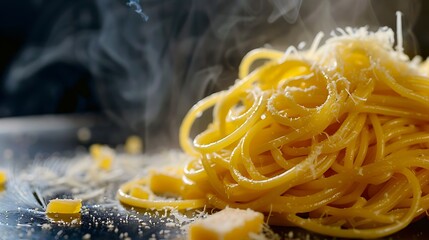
(26, 140)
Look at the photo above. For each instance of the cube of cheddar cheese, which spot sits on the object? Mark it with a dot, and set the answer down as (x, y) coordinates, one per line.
(173, 183)
(64, 206)
(162, 182)
(227, 224)
(191, 190)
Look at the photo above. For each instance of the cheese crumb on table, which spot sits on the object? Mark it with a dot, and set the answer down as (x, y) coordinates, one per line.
(64, 206)
(103, 155)
(86, 236)
(46, 226)
(105, 162)
(227, 224)
(95, 150)
(3, 177)
(83, 134)
(133, 145)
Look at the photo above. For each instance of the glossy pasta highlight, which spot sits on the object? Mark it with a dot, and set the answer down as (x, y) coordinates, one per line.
(334, 139)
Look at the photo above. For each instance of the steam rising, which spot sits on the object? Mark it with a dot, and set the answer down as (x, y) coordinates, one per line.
(148, 68)
(288, 9)
(138, 8)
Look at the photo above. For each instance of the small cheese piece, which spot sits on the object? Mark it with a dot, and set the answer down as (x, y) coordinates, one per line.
(83, 134)
(191, 190)
(64, 206)
(227, 224)
(95, 150)
(133, 145)
(140, 192)
(3, 177)
(165, 182)
(105, 162)
(103, 155)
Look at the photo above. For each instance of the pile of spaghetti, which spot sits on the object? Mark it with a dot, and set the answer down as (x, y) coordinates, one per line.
(334, 139)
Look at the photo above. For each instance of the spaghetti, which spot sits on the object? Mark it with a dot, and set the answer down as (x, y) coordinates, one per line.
(334, 140)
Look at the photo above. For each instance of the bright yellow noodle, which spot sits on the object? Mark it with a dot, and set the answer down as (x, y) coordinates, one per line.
(334, 140)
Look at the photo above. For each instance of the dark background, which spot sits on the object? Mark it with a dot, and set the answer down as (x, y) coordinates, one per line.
(79, 56)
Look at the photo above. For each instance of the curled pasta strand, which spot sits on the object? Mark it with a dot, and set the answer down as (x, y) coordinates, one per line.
(334, 140)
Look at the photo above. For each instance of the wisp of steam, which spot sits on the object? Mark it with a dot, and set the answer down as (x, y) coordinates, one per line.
(138, 8)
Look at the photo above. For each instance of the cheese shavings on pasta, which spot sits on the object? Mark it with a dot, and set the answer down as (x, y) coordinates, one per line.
(334, 140)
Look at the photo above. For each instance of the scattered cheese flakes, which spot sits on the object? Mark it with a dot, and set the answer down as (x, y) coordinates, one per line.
(46, 226)
(64, 206)
(227, 224)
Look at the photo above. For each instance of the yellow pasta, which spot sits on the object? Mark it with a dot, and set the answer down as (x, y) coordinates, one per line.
(334, 140)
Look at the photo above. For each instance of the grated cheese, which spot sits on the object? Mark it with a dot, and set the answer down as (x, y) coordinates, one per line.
(399, 37)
